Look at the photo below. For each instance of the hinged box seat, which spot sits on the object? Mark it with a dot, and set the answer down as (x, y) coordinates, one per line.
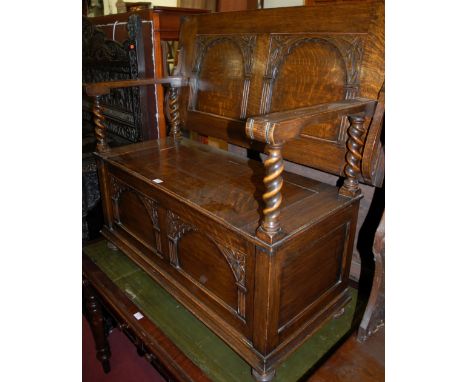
(187, 213)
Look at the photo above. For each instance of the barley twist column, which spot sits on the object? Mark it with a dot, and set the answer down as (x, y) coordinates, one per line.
(100, 128)
(270, 227)
(354, 145)
(174, 111)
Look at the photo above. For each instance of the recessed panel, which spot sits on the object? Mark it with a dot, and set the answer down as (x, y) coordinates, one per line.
(200, 258)
(221, 80)
(135, 217)
(313, 73)
(309, 272)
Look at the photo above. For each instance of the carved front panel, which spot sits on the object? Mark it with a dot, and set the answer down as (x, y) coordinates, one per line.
(208, 265)
(221, 74)
(137, 214)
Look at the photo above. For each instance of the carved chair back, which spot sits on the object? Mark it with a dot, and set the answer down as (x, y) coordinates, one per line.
(251, 63)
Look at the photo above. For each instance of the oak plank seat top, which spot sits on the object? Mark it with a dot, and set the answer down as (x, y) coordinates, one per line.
(223, 185)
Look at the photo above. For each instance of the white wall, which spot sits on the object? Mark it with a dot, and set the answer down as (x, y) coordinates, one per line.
(281, 3)
(109, 5)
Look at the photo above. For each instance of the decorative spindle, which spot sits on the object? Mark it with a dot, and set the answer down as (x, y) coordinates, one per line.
(174, 111)
(270, 227)
(354, 144)
(100, 128)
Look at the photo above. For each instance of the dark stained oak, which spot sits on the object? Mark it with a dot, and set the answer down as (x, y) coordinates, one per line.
(94, 314)
(261, 256)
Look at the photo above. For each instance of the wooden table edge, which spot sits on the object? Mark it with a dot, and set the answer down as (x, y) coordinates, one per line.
(161, 347)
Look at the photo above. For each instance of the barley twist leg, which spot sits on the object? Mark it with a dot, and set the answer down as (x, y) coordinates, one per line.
(100, 127)
(353, 157)
(174, 111)
(270, 226)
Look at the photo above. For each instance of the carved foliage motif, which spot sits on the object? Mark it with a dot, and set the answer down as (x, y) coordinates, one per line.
(236, 260)
(176, 229)
(350, 48)
(151, 206)
(96, 47)
(109, 60)
(245, 43)
(117, 188)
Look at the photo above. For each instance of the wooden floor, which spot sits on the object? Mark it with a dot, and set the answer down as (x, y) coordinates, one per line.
(354, 361)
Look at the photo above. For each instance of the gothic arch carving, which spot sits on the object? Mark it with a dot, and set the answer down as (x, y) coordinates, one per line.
(236, 259)
(118, 188)
(244, 42)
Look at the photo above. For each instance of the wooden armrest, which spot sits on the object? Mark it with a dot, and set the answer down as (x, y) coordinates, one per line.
(103, 88)
(279, 127)
(275, 129)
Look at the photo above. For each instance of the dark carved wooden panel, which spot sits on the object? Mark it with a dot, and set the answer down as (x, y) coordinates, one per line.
(108, 60)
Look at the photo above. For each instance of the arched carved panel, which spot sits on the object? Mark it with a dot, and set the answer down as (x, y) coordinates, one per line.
(212, 266)
(221, 74)
(136, 200)
(331, 64)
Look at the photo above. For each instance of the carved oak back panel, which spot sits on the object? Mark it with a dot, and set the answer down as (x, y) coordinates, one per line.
(252, 63)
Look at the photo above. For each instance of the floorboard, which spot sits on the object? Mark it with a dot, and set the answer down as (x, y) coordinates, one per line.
(354, 361)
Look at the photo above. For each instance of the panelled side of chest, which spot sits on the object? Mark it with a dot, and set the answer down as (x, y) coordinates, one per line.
(302, 283)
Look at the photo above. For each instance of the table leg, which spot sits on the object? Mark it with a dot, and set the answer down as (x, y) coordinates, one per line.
(94, 315)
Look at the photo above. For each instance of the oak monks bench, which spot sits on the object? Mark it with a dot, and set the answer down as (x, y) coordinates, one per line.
(259, 255)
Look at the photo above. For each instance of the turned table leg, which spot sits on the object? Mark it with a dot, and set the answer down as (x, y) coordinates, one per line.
(93, 312)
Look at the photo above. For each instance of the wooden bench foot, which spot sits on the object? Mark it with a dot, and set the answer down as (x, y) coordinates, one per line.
(263, 377)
